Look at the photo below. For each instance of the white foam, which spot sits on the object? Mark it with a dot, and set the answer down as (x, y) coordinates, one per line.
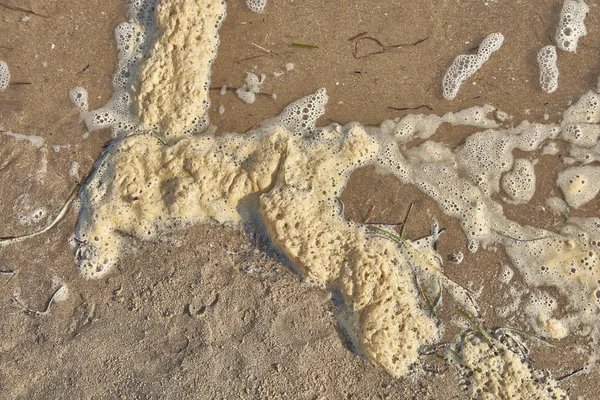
(256, 5)
(519, 184)
(4, 75)
(247, 92)
(579, 184)
(466, 65)
(79, 97)
(546, 59)
(505, 274)
(571, 25)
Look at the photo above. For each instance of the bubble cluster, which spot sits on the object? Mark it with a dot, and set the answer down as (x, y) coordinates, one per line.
(302, 115)
(4, 75)
(495, 369)
(571, 26)
(466, 65)
(505, 274)
(549, 73)
(256, 5)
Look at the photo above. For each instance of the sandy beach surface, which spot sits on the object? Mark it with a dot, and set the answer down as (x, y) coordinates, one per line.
(210, 312)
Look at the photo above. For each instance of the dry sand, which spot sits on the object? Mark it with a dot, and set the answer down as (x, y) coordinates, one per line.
(202, 313)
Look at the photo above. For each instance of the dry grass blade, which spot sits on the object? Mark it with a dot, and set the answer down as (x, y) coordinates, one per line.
(532, 335)
(56, 220)
(476, 326)
(410, 207)
(392, 235)
(28, 310)
(429, 303)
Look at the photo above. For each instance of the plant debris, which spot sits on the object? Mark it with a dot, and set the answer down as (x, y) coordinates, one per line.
(16, 301)
(381, 48)
(304, 45)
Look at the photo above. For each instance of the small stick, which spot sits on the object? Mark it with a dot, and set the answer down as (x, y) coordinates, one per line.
(570, 374)
(28, 310)
(410, 108)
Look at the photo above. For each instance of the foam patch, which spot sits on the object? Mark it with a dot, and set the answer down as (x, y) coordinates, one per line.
(493, 369)
(519, 184)
(579, 185)
(4, 75)
(549, 73)
(247, 92)
(466, 65)
(256, 5)
(571, 25)
(173, 82)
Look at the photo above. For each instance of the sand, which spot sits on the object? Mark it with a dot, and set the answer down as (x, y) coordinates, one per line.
(202, 313)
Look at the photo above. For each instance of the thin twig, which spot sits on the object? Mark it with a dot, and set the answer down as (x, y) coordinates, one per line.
(570, 374)
(21, 9)
(410, 108)
(28, 310)
(383, 47)
(369, 214)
